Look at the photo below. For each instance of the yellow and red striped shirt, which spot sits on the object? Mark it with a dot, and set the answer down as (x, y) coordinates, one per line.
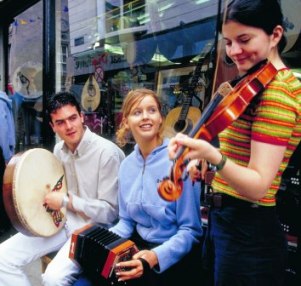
(277, 121)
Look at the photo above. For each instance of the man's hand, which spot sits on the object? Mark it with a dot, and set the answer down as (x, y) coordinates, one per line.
(53, 200)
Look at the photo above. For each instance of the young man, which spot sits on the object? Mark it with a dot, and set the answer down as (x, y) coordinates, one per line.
(91, 165)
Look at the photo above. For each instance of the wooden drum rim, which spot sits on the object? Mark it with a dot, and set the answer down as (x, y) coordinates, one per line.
(24, 222)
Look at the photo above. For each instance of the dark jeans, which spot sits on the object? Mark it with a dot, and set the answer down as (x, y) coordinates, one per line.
(245, 246)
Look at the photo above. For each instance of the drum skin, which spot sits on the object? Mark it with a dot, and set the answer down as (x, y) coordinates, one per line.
(28, 177)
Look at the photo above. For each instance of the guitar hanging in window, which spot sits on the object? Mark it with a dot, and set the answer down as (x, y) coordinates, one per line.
(183, 118)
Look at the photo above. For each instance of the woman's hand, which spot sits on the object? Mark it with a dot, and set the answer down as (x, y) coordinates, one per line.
(174, 145)
(194, 170)
(197, 148)
(197, 169)
(132, 269)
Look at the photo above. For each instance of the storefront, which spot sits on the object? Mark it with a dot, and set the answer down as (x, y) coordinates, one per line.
(99, 50)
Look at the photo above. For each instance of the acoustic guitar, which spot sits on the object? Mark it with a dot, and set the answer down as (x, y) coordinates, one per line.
(90, 99)
(181, 119)
(184, 118)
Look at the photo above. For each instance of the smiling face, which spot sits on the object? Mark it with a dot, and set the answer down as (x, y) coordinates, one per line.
(67, 122)
(247, 45)
(144, 121)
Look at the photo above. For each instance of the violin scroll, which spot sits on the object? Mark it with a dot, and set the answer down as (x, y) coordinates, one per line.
(168, 191)
(170, 188)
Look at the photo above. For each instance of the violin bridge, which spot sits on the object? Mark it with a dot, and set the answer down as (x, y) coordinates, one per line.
(224, 89)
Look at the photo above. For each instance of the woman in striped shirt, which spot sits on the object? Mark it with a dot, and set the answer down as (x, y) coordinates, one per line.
(245, 243)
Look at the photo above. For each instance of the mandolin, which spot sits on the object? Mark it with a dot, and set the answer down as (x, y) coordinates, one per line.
(90, 99)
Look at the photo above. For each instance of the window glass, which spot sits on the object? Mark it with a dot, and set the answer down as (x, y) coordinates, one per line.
(118, 45)
(106, 48)
(25, 75)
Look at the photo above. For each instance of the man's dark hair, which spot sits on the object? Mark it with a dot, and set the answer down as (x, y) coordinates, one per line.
(59, 100)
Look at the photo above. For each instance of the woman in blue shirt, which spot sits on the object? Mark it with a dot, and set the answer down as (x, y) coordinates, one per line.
(168, 234)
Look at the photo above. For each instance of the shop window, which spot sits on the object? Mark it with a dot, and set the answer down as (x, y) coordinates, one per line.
(79, 41)
(168, 46)
(112, 46)
(124, 14)
(25, 74)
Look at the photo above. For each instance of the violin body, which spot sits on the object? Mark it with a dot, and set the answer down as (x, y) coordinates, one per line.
(230, 104)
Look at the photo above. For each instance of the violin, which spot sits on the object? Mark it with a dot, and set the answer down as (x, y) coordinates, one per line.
(226, 106)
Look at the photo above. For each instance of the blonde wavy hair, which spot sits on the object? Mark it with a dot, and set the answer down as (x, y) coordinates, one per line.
(133, 98)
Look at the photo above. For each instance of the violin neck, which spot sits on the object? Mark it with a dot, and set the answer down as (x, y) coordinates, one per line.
(224, 89)
(253, 69)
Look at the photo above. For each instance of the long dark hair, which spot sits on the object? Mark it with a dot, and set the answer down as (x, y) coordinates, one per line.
(263, 14)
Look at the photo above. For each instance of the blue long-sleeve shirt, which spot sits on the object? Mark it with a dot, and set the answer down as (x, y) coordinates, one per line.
(175, 226)
(7, 127)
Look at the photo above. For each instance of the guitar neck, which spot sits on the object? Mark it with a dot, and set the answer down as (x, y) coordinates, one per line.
(190, 90)
(185, 107)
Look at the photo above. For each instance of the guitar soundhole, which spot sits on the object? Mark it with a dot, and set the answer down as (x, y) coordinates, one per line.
(180, 125)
